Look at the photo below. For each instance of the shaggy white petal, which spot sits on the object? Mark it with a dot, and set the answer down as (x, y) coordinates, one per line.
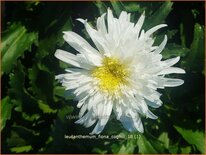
(122, 74)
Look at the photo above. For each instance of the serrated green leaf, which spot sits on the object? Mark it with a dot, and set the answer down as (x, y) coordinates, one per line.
(15, 42)
(21, 149)
(6, 108)
(193, 137)
(145, 146)
(45, 108)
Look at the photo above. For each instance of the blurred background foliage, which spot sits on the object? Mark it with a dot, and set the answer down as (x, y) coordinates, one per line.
(34, 106)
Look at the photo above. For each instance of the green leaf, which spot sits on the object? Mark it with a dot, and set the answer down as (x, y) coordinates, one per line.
(164, 138)
(128, 148)
(98, 150)
(173, 149)
(195, 59)
(64, 111)
(185, 150)
(101, 7)
(159, 15)
(15, 42)
(193, 137)
(33, 117)
(117, 6)
(145, 146)
(45, 108)
(21, 149)
(133, 7)
(60, 91)
(174, 50)
(6, 108)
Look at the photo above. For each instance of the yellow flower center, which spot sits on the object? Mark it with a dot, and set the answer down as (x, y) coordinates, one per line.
(111, 74)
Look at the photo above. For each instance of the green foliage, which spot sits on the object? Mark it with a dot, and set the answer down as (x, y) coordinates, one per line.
(34, 107)
(145, 146)
(21, 149)
(6, 108)
(16, 40)
(196, 138)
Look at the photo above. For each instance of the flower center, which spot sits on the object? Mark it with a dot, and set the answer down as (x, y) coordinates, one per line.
(111, 74)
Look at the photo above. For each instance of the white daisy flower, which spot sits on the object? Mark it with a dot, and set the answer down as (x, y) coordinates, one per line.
(121, 74)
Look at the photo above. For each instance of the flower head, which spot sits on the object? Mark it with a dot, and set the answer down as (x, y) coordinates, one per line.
(121, 74)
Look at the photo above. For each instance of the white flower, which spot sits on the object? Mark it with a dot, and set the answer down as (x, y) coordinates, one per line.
(121, 74)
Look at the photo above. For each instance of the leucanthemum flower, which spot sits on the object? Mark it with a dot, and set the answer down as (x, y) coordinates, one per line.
(121, 74)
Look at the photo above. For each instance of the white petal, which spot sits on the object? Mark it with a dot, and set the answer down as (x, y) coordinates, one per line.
(94, 100)
(87, 120)
(161, 46)
(78, 43)
(107, 109)
(139, 24)
(171, 62)
(101, 24)
(67, 57)
(71, 59)
(110, 20)
(97, 38)
(152, 30)
(171, 70)
(168, 82)
(123, 17)
(172, 82)
(98, 128)
(138, 125)
(154, 104)
(128, 123)
(82, 110)
(132, 124)
(151, 115)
